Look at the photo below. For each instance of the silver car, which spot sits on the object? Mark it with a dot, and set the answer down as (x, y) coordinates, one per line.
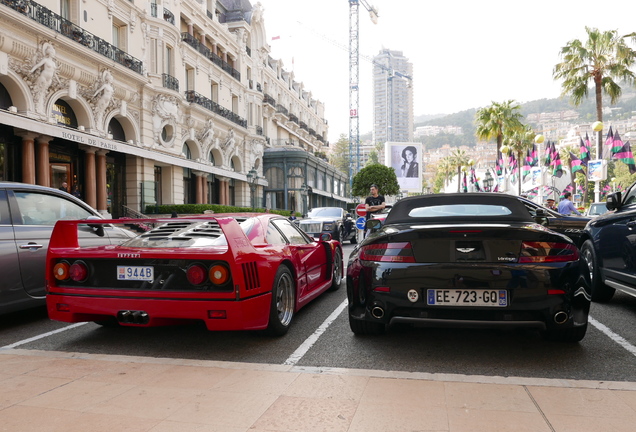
(27, 215)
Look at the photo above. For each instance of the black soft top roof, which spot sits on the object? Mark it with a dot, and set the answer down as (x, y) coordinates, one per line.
(406, 210)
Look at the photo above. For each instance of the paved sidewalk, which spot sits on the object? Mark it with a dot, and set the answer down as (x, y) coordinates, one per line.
(69, 392)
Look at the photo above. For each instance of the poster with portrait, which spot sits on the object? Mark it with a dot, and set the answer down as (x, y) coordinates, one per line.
(406, 160)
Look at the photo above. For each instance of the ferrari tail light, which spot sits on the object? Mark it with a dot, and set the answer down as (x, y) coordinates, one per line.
(219, 274)
(546, 252)
(79, 271)
(196, 274)
(61, 271)
(388, 252)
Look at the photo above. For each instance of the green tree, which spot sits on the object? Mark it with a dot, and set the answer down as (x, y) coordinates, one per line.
(380, 175)
(603, 59)
(458, 159)
(494, 121)
(339, 157)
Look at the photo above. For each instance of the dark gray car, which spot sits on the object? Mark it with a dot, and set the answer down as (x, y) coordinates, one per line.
(610, 247)
(27, 216)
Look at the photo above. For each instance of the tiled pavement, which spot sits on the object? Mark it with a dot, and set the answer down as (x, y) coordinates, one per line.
(69, 392)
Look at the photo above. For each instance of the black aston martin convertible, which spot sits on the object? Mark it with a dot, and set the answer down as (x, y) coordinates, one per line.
(467, 260)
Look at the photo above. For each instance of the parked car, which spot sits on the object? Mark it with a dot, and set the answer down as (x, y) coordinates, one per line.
(596, 209)
(229, 271)
(469, 260)
(333, 220)
(571, 226)
(610, 247)
(27, 216)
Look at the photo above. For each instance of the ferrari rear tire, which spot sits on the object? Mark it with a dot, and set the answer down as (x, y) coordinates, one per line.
(600, 292)
(363, 327)
(336, 277)
(574, 334)
(283, 303)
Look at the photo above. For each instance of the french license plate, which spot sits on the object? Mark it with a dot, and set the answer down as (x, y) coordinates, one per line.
(463, 297)
(136, 273)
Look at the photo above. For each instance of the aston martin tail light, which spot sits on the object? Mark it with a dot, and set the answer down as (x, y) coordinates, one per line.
(546, 252)
(79, 271)
(388, 252)
(196, 274)
(61, 271)
(219, 274)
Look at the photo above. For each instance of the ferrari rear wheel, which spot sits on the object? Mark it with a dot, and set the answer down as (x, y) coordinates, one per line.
(283, 302)
(363, 327)
(600, 291)
(336, 278)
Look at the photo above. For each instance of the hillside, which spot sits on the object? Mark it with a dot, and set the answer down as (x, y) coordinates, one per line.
(624, 108)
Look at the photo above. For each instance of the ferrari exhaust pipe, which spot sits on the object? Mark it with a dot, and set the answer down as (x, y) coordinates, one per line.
(560, 317)
(377, 312)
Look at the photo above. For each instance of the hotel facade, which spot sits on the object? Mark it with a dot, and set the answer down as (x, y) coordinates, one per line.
(138, 103)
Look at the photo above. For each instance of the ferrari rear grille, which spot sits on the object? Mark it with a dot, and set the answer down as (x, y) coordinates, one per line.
(250, 273)
(311, 227)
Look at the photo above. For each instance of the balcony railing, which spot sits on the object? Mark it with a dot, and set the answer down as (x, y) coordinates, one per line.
(281, 109)
(168, 16)
(294, 118)
(170, 82)
(210, 105)
(197, 45)
(269, 100)
(55, 22)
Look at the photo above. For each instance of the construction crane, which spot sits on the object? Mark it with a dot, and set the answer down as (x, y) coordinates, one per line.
(354, 72)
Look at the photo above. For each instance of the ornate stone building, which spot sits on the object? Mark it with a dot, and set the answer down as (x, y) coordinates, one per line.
(137, 103)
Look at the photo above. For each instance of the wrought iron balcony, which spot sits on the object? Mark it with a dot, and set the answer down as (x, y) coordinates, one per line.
(281, 109)
(303, 125)
(197, 45)
(55, 22)
(168, 16)
(170, 82)
(269, 100)
(293, 118)
(210, 105)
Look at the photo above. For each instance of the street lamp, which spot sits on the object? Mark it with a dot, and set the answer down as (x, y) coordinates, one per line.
(252, 178)
(488, 181)
(305, 194)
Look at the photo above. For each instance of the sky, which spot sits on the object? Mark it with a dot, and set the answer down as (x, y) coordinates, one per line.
(465, 54)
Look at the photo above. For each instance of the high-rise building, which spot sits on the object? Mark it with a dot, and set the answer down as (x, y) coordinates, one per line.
(392, 97)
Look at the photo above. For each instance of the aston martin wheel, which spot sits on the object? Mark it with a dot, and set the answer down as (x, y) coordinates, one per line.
(363, 327)
(575, 334)
(337, 270)
(283, 302)
(600, 291)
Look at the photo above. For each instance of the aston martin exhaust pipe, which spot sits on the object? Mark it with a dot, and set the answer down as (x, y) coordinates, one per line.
(560, 317)
(377, 312)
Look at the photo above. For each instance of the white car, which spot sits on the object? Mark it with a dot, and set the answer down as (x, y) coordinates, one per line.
(596, 209)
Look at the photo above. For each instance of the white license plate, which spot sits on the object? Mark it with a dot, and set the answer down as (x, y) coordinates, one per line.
(464, 297)
(137, 273)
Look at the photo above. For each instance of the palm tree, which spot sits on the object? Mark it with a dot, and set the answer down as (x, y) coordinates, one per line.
(459, 158)
(493, 121)
(603, 59)
(445, 167)
(519, 141)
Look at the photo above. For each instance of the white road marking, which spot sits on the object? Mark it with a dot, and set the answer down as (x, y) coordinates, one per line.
(43, 335)
(615, 337)
(311, 340)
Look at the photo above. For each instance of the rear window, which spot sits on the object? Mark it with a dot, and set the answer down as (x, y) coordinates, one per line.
(453, 210)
